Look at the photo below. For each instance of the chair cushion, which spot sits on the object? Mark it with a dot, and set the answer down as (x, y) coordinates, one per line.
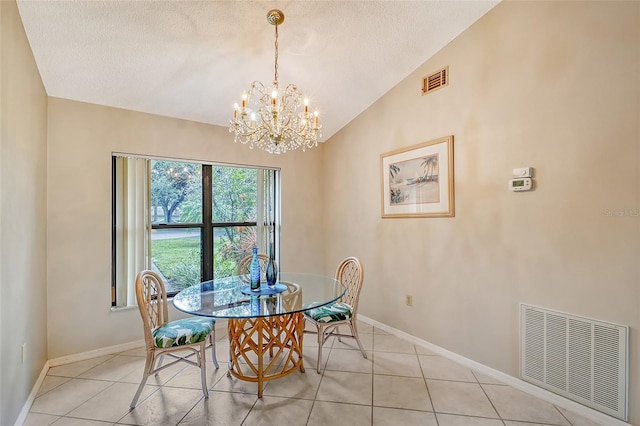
(183, 332)
(330, 313)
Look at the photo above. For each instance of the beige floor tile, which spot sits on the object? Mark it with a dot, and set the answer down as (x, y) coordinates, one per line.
(349, 343)
(441, 368)
(68, 396)
(460, 398)
(391, 343)
(332, 413)
(310, 356)
(401, 392)
(351, 388)
(222, 351)
(114, 369)
(36, 419)
(51, 382)
(112, 403)
(577, 419)
(310, 340)
(421, 350)
(189, 377)
(295, 385)
(453, 420)
(349, 360)
(513, 404)
(309, 326)
(271, 410)
(75, 369)
(379, 331)
(394, 417)
(364, 328)
(141, 351)
(232, 384)
(514, 423)
(396, 364)
(485, 379)
(166, 406)
(135, 376)
(220, 409)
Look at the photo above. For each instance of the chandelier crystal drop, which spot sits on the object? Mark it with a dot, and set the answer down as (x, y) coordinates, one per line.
(273, 119)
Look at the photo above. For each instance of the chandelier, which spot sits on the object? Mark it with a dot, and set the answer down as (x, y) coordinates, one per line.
(272, 119)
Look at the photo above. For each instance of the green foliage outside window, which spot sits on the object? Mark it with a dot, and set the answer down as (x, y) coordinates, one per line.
(172, 183)
(176, 190)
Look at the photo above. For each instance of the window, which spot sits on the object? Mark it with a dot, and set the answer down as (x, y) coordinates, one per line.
(189, 221)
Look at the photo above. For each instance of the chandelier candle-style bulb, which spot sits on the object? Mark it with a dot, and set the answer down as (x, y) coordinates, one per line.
(274, 119)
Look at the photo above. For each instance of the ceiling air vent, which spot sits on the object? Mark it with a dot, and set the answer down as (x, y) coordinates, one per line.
(435, 81)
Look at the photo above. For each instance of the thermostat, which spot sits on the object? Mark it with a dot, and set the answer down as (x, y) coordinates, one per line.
(523, 172)
(520, 184)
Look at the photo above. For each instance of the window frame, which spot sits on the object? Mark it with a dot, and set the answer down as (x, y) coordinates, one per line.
(268, 215)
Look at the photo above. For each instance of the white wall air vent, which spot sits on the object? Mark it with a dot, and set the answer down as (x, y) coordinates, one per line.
(435, 81)
(579, 358)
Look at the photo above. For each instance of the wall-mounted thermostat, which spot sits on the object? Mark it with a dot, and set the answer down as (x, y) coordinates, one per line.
(520, 184)
(523, 172)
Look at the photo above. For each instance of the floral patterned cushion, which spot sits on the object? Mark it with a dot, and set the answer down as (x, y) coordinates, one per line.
(183, 332)
(329, 313)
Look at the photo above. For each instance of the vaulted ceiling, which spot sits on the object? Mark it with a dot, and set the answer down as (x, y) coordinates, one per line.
(193, 59)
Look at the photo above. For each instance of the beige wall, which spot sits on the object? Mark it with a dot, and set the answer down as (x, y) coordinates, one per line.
(23, 150)
(552, 85)
(549, 85)
(81, 140)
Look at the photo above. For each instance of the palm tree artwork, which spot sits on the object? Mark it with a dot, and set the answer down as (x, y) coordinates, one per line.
(414, 181)
(430, 165)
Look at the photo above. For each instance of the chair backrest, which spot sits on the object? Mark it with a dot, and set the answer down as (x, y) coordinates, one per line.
(292, 299)
(245, 264)
(351, 274)
(151, 296)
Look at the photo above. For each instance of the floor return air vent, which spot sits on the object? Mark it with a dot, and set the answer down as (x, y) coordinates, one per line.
(582, 359)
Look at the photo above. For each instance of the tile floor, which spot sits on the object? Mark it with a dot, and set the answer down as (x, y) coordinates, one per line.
(399, 384)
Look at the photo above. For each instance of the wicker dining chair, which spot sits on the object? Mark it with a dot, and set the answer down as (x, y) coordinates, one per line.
(163, 337)
(327, 319)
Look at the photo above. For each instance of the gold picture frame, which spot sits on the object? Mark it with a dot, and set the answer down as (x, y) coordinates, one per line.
(417, 181)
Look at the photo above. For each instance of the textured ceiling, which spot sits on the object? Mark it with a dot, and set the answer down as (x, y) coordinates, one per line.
(193, 59)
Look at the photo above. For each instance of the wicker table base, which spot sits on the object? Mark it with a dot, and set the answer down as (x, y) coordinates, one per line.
(250, 339)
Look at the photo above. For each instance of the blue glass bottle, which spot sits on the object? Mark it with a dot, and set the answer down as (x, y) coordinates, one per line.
(272, 269)
(254, 271)
(255, 305)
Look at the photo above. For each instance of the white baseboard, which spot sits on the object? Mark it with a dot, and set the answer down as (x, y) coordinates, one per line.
(95, 353)
(503, 377)
(22, 417)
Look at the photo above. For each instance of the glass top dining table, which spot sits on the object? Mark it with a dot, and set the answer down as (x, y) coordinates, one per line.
(231, 297)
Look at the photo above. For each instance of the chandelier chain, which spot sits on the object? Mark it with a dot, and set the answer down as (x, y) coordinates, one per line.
(275, 76)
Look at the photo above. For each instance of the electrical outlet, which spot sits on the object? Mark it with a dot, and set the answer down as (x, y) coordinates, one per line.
(409, 300)
(23, 355)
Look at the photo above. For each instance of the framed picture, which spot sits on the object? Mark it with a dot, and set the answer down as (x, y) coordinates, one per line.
(418, 181)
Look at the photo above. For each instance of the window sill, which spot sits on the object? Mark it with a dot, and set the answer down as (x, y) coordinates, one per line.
(123, 308)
